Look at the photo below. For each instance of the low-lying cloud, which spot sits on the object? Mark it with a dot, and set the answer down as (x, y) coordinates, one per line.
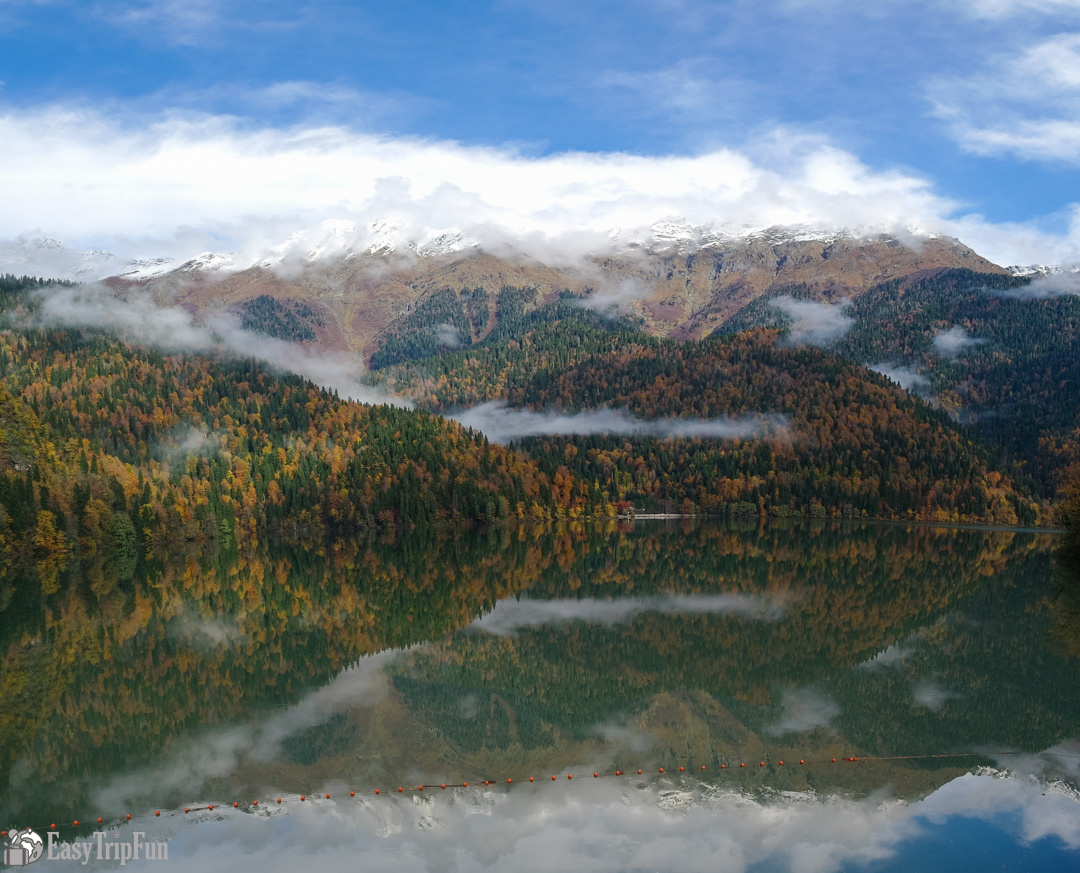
(906, 377)
(139, 320)
(813, 323)
(511, 614)
(1043, 287)
(501, 424)
(950, 343)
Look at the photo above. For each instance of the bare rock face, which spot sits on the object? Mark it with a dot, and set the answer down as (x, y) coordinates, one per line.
(680, 291)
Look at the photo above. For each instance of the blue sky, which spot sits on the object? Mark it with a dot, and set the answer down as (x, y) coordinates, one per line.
(973, 105)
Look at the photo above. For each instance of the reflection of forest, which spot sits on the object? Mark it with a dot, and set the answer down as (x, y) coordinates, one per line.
(114, 668)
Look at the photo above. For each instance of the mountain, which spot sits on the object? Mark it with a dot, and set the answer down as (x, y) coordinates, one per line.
(682, 281)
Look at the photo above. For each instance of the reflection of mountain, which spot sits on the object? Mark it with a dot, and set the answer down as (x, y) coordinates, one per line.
(118, 673)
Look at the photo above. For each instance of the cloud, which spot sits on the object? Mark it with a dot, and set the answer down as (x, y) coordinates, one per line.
(448, 336)
(501, 424)
(138, 320)
(814, 324)
(510, 615)
(617, 295)
(804, 709)
(1054, 285)
(906, 377)
(951, 342)
(88, 175)
(1027, 106)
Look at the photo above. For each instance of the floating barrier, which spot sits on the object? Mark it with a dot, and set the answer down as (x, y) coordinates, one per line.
(285, 799)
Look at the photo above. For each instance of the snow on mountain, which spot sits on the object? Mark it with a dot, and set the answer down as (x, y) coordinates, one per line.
(1043, 269)
(51, 259)
(335, 239)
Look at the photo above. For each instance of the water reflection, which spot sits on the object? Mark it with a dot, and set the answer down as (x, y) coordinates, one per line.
(530, 652)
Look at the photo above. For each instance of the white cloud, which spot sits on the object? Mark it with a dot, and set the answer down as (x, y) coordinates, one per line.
(953, 341)
(906, 377)
(1027, 106)
(501, 424)
(814, 324)
(82, 176)
(173, 328)
(1054, 285)
(511, 615)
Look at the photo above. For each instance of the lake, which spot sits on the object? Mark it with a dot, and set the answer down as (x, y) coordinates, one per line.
(729, 663)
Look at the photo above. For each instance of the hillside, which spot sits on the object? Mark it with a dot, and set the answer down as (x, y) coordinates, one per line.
(108, 446)
(994, 355)
(851, 443)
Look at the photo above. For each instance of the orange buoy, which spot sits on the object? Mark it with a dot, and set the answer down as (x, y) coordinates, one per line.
(552, 778)
(639, 772)
(781, 763)
(618, 772)
(464, 784)
(376, 790)
(76, 822)
(302, 796)
(279, 800)
(801, 761)
(420, 788)
(569, 775)
(235, 804)
(834, 760)
(851, 759)
(702, 766)
(353, 793)
(129, 816)
(254, 803)
(509, 781)
(595, 775)
(327, 796)
(99, 820)
(723, 766)
(53, 827)
(186, 809)
(661, 769)
(762, 763)
(742, 765)
(530, 779)
(211, 806)
(681, 769)
(156, 812)
(400, 789)
(444, 785)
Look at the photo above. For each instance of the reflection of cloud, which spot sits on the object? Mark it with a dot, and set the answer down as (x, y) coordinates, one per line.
(907, 378)
(596, 828)
(953, 341)
(804, 708)
(813, 323)
(501, 424)
(511, 614)
(891, 656)
(174, 328)
(931, 695)
(215, 753)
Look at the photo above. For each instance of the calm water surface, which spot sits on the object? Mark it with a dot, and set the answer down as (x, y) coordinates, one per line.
(944, 661)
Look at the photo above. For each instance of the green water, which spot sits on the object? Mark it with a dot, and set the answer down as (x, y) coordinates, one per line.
(508, 654)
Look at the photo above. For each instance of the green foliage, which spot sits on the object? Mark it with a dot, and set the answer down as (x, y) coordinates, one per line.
(285, 320)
